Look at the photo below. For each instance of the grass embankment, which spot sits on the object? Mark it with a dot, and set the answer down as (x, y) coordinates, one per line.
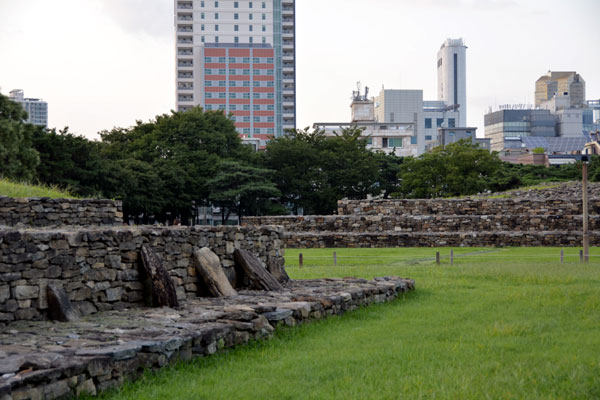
(17, 190)
(498, 324)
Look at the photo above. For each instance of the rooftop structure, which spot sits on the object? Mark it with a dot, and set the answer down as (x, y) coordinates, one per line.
(452, 76)
(560, 84)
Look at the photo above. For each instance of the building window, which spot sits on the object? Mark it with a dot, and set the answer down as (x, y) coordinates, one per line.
(270, 60)
(384, 142)
(216, 39)
(233, 95)
(216, 15)
(246, 119)
(222, 83)
(202, 39)
(256, 60)
(222, 95)
(236, 28)
(369, 141)
(232, 84)
(264, 17)
(256, 119)
(202, 27)
(264, 40)
(270, 84)
(232, 59)
(236, 16)
(440, 122)
(209, 95)
(236, 4)
(428, 137)
(207, 59)
(208, 83)
(208, 107)
(250, 5)
(222, 71)
(246, 83)
(221, 106)
(427, 123)
(257, 72)
(256, 107)
(256, 83)
(250, 28)
(232, 71)
(250, 17)
(257, 131)
(247, 96)
(246, 72)
(201, 15)
(270, 95)
(264, 28)
(468, 133)
(216, 4)
(202, 4)
(216, 28)
(413, 140)
(256, 95)
(451, 123)
(270, 107)
(270, 119)
(246, 60)
(395, 142)
(222, 60)
(246, 106)
(233, 107)
(391, 117)
(452, 133)
(264, 5)
(236, 39)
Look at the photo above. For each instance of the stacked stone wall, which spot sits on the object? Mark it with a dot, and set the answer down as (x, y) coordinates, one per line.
(528, 207)
(100, 267)
(46, 212)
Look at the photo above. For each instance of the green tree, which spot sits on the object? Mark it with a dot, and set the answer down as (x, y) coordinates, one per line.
(461, 168)
(241, 188)
(179, 153)
(18, 158)
(313, 171)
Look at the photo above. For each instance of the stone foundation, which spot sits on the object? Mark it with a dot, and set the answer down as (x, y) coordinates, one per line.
(42, 211)
(45, 360)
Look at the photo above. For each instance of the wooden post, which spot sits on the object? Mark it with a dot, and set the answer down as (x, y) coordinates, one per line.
(451, 257)
(300, 260)
(586, 240)
(335, 259)
(580, 256)
(562, 256)
(437, 258)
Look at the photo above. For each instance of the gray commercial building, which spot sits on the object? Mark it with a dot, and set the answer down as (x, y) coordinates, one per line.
(514, 124)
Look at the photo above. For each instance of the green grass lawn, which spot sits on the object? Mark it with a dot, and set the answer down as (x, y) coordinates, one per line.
(14, 189)
(498, 324)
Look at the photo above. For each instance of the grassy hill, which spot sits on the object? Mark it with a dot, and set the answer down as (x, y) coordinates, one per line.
(14, 189)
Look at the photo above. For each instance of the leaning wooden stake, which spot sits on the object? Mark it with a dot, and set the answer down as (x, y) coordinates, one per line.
(437, 258)
(163, 289)
(334, 259)
(451, 257)
(258, 275)
(300, 260)
(562, 256)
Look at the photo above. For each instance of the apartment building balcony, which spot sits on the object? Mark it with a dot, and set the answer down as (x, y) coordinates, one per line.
(287, 33)
(185, 98)
(185, 52)
(287, 22)
(185, 40)
(185, 5)
(185, 75)
(185, 17)
(185, 86)
(185, 63)
(288, 46)
(288, 103)
(185, 28)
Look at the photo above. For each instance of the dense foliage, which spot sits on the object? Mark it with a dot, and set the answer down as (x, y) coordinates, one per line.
(18, 158)
(165, 168)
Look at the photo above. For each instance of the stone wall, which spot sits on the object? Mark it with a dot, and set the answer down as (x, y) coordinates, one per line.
(529, 207)
(42, 212)
(426, 223)
(100, 267)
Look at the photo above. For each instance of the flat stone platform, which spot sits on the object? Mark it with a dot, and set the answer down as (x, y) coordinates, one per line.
(50, 360)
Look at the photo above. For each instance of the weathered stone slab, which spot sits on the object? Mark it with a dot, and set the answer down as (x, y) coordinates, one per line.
(258, 275)
(163, 290)
(59, 305)
(208, 266)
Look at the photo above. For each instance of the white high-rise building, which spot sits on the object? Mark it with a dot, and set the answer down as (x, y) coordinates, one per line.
(452, 76)
(37, 109)
(238, 57)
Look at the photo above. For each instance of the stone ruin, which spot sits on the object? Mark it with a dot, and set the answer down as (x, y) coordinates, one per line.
(84, 308)
(544, 217)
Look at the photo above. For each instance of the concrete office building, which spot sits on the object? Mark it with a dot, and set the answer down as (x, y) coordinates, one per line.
(37, 109)
(408, 106)
(448, 136)
(514, 124)
(398, 138)
(452, 76)
(238, 57)
(567, 84)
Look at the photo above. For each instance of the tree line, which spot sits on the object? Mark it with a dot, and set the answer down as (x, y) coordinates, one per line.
(169, 166)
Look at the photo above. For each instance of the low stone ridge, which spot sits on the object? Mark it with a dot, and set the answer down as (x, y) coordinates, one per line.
(48, 360)
(46, 212)
(567, 190)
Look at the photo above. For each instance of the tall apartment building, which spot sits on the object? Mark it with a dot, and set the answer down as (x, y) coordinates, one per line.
(37, 109)
(452, 76)
(238, 57)
(563, 84)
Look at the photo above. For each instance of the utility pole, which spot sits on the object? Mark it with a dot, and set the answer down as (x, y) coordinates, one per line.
(586, 244)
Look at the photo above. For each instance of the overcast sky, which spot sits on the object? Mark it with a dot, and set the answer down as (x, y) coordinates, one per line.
(106, 63)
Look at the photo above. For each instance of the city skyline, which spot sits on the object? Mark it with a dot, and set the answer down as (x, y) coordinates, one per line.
(109, 63)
